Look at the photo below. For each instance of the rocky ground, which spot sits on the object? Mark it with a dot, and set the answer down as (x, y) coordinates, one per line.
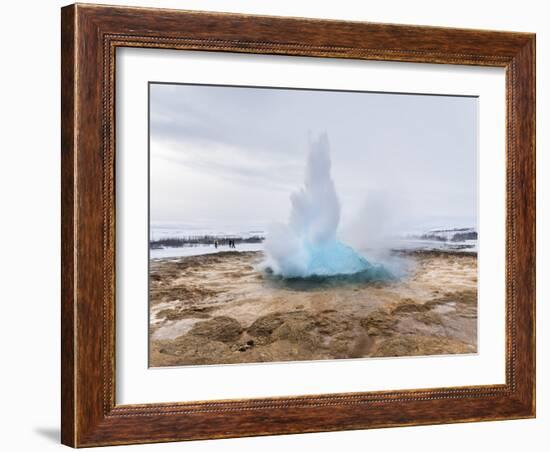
(220, 308)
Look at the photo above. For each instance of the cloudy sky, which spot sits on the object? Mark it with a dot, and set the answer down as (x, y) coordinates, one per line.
(232, 155)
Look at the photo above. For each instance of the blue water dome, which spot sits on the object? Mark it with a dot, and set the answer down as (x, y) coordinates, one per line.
(307, 246)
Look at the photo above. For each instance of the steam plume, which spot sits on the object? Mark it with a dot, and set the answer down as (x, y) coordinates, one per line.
(307, 245)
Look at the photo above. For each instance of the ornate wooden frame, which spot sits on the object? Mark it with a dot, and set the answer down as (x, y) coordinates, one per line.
(90, 35)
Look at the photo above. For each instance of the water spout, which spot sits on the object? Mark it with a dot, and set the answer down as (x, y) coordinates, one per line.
(307, 246)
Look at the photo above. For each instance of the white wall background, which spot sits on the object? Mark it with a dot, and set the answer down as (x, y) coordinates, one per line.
(30, 273)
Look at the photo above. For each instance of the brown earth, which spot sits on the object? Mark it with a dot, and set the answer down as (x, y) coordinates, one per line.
(220, 308)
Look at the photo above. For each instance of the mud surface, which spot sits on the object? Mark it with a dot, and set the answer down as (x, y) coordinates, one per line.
(220, 308)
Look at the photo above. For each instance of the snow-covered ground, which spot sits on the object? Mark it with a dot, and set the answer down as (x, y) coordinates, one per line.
(410, 243)
(449, 239)
(433, 239)
(201, 249)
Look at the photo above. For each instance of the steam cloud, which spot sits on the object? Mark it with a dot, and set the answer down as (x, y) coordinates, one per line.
(307, 245)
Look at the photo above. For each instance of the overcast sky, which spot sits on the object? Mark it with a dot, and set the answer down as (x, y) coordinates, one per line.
(232, 156)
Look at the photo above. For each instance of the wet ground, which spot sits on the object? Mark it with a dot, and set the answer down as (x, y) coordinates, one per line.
(220, 308)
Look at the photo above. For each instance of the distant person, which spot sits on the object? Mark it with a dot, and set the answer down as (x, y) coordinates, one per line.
(216, 244)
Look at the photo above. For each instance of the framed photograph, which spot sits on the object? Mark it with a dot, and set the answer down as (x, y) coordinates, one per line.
(282, 225)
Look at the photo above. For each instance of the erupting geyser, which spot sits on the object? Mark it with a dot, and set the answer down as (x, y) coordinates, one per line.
(307, 246)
